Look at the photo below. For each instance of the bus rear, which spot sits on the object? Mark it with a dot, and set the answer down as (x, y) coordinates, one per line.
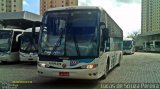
(155, 45)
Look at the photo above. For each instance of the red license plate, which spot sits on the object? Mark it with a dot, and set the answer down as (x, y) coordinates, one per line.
(63, 73)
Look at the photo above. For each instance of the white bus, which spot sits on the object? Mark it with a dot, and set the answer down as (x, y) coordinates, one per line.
(147, 46)
(155, 45)
(29, 45)
(79, 43)
(9, 44)
(128, 46)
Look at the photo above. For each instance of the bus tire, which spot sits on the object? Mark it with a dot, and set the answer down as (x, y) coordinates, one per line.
(106, 70)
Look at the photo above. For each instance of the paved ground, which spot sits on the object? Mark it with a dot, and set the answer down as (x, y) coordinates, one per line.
(135, 69)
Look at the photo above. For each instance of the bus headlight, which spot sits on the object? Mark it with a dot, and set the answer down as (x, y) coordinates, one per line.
(89, 66)
(21, 54)
(42, 65)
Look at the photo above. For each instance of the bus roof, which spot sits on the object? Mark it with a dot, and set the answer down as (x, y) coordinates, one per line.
(75, 7)
(30, 29)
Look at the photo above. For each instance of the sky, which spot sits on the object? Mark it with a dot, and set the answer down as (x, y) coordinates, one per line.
(126, 13)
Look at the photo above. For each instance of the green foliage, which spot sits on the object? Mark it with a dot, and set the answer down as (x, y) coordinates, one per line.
(133, 35)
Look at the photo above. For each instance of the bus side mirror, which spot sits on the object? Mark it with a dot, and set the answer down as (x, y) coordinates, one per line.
(105, 34)
(17, 38)
(102, 25)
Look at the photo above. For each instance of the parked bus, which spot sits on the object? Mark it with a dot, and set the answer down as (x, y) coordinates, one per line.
(128, 46)
(79, 42)
(155, 45)
(9, 44)
(147, 46)
(29, 45)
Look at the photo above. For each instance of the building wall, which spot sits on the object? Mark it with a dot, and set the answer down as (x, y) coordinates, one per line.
(3, 6)
(150, 16)
(46, 4)
(11, 5)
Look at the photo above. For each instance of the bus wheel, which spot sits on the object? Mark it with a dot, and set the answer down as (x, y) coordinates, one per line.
(106, 71)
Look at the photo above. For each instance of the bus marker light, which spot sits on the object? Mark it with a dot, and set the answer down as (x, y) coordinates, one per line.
(90, 74)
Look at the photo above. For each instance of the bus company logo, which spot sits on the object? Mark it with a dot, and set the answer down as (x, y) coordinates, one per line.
(64, 65)
(73, 62)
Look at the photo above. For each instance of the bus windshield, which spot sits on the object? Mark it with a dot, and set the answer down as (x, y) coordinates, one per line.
(5, 40)
(70, 33)
(127, 44)
(28, 44)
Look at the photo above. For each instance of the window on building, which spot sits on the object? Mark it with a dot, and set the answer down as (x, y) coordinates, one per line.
(62, 5)
(66, 3)
(62, 1)
(71, 2)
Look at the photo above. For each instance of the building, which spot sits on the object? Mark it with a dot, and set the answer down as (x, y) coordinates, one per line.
(150, 23)
(11, 5)
(46, 4)
(150, 16)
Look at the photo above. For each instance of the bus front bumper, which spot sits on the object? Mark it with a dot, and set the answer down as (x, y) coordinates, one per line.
(28, 57)
(127, 52)
(5, 58)
(71, 73)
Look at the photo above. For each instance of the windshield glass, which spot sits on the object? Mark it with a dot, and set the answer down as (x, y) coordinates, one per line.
(70, 33)
(127, 44)
(5, 40)
(29, 44)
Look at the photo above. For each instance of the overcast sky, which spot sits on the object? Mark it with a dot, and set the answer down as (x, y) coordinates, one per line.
(127, 13)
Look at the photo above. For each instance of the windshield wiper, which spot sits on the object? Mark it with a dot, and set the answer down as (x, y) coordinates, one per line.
(76, 44)
(58, 43)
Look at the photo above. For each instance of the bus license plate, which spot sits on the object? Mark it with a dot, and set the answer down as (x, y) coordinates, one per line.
(63, 73)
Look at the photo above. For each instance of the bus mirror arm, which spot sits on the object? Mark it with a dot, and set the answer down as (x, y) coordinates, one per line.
(17, 38)
(106, 48)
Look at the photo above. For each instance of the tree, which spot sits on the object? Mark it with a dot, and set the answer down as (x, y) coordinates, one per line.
(133, 35)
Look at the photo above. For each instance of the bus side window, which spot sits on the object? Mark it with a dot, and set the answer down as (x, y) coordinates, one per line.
(16, 44)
